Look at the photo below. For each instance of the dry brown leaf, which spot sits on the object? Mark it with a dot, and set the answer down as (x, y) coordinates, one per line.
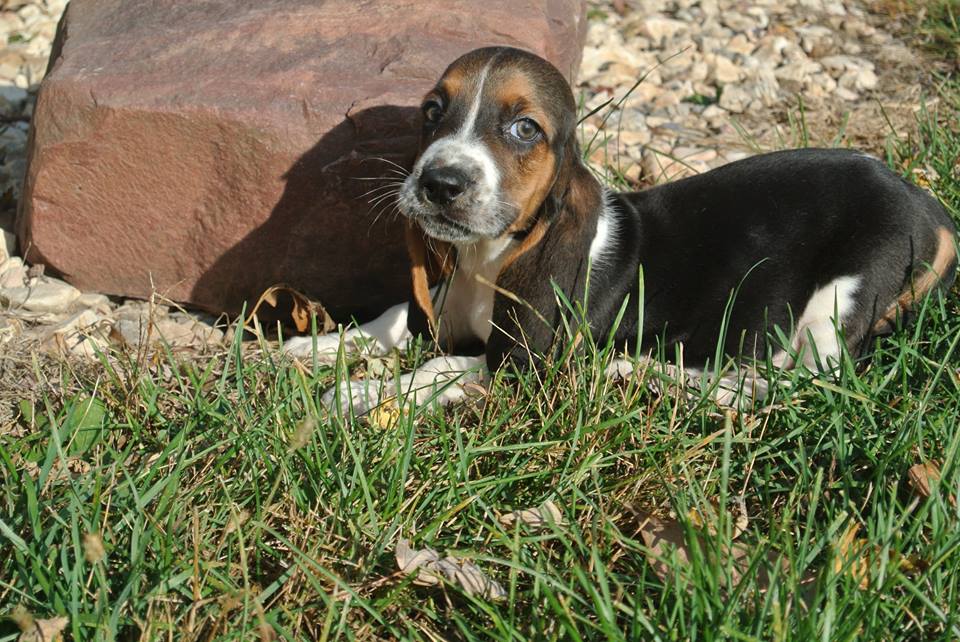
(710, 519)
(923, 476)
(385, 416)
(34, 630)
(854, 556)
(93, 549)
(303, 433)
(431, 569)
(303, 309)
(850, 557)
(662, 537)
(542, 516)
(236, 521)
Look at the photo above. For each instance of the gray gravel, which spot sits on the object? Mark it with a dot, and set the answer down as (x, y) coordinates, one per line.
(722, 79)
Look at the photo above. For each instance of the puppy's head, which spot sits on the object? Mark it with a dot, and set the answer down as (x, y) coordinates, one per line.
(498, 129)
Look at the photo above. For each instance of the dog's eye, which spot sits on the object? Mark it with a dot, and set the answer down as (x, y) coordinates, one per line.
(432, 111)
(525, 130)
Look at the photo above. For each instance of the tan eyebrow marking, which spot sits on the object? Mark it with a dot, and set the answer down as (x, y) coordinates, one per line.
(515, 90)
(453, 82)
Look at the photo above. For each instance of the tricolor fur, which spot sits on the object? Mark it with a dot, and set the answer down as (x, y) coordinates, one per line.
(501, 210)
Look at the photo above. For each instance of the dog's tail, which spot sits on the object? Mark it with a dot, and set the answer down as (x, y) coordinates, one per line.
(939, 272)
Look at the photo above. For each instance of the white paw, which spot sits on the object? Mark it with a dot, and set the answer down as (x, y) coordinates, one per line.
(327, 347)
(361, 396)
(619, 369)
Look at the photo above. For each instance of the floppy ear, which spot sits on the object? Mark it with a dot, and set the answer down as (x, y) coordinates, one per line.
(430, 261)
(526, 315)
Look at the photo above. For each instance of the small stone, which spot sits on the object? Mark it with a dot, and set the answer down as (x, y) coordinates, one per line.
(95, 301)
(852, 48)
(133, 310)
(46, 295)
(133, 332)
(13, 274)
(835, 8)
(737, 21)
(632, 138)
(846, 94)
(771, 50)
(633, 173)
(734, 99)
(710, 7)
(794, 76)
(723, 70)
(655, 122)
(691, 155)
(839, 63)
(77, 322)
(816, 40)
(740, 45)
(714, 112)
(857, 80)
(670, 99)
(176, 331)
(652, 166)
(658, 28)
(11, 100)
(735, 155)
(8, 244)
(866, 79)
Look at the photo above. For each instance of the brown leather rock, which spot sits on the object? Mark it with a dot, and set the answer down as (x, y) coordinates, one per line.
(210, 149)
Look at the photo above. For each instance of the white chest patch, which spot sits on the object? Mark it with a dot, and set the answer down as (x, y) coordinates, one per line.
(604, 244)
(468, 305)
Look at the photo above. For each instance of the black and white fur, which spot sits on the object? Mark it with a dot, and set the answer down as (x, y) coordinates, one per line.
(808, 241)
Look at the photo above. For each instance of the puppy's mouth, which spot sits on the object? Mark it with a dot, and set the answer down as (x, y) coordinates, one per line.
(441, 227)
(452, 222)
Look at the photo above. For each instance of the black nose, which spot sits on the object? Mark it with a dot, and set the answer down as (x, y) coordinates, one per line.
(440, 185)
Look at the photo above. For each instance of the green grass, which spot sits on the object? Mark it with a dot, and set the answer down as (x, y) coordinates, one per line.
(230, 506)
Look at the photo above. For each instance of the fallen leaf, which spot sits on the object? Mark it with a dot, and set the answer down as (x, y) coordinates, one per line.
(431, 569)
(385, 416)
(236, 521)
(850, 558)
(303, 433)
(710, 519)
(854, 556)
(34, 630)
(303, 309)
(542, 516)
(923, 477)
(664, 536)
(93, 549)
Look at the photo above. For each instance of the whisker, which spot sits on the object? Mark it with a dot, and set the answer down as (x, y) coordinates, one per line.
(390, 162)
(377, 201)
(395, 208)
(376, 178)
(380, 188)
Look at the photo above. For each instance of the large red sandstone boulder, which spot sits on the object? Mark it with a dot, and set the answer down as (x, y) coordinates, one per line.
(212, 148)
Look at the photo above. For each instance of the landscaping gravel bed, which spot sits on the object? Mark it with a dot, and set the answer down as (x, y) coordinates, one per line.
(721, 79)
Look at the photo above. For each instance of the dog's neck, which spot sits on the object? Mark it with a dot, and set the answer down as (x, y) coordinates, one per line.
(483, 256)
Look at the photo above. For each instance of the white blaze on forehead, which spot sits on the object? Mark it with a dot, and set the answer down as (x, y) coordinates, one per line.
(466, 129)
(464, 149)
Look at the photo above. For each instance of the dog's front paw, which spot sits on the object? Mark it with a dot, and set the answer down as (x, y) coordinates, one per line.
(361, 396)
(327, 346)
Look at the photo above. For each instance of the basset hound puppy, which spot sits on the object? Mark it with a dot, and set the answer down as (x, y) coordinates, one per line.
(501, 209)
